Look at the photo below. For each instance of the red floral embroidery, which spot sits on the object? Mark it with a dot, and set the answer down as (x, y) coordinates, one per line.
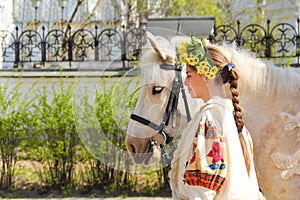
(196, 177)
(195, 145)
(193, 158)
(216, 153)
(194, 155)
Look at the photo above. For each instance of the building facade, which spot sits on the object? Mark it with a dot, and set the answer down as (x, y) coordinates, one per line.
(45, 15)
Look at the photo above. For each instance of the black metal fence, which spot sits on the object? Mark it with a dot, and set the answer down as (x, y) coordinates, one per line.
(70, 46)
(280, 43)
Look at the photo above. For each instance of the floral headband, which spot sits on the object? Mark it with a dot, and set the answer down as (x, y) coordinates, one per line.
(193, 54)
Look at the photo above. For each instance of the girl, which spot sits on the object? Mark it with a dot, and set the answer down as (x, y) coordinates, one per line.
(214, 158)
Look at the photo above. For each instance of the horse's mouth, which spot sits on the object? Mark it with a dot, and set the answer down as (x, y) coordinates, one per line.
(147, 158)
(143, 153)
(137, 158)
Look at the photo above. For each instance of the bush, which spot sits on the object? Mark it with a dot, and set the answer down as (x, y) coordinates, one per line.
(55, 133)
(76, 135)
(14, 125)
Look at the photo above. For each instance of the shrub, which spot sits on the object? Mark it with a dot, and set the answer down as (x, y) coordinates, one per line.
(56, 135)
(15, 122)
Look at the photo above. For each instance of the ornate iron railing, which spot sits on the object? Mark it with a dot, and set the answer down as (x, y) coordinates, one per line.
(279, 43)
(72, 46)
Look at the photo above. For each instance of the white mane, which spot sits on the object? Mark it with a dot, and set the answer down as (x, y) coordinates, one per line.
(264, 78)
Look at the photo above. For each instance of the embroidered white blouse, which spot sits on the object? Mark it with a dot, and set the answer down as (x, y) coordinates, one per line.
(208, 163)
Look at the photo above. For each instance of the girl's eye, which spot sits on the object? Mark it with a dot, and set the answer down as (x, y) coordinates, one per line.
(157, 89)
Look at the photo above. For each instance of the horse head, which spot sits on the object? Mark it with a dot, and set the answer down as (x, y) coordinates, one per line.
(159, 114)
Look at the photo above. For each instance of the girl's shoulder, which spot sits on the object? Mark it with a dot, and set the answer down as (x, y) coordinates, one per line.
(211, 118)
(217, 104)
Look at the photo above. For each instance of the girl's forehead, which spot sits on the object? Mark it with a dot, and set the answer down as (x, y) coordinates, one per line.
(188, 69)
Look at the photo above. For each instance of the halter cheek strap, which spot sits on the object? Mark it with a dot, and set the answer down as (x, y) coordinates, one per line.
(170, 110)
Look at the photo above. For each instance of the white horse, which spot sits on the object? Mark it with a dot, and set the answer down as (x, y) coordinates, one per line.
(269, 95)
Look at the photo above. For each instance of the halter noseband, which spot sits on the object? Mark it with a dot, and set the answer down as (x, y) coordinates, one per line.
(171, 108)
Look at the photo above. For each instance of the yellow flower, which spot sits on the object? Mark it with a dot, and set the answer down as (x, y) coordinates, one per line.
(192, 61)
(182, 48)
(191, 54)
(211, 76)
(214, 70)
(203, 63)
(184, 44)
(205, 69)
(183, 57)
(199, 69)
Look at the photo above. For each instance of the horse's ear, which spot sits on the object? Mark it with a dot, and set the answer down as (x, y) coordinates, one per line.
(151, 39)
(163, 56)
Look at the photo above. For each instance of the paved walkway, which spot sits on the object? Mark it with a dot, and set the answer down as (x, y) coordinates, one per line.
(117, 198)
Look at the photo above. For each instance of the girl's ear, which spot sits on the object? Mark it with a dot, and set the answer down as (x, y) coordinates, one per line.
(205, 78)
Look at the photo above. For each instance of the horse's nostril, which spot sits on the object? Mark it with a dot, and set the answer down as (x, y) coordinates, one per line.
(132, 149)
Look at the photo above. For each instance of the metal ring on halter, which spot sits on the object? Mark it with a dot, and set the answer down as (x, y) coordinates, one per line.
(155, 142)
(230, 66)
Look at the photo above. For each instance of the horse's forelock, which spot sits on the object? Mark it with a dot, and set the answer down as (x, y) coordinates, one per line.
(151, 71)
(151, 60)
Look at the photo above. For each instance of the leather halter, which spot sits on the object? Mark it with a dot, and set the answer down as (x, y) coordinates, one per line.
(171, 109)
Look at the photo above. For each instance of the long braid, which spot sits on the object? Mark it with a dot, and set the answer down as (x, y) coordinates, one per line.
(231, 76)
(233, 81)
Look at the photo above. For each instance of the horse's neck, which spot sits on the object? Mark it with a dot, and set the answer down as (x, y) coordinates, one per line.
(266, 91)
(263, 80)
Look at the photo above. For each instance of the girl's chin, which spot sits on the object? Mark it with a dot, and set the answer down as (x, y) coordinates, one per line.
(192, 95)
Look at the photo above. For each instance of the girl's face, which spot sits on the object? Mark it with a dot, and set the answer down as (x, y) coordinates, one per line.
(196, 84)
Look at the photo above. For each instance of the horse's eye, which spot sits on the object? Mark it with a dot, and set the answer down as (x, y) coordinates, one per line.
(157, 89)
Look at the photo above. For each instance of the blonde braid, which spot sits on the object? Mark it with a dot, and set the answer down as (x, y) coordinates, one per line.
(231, 76)
(233, 81)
